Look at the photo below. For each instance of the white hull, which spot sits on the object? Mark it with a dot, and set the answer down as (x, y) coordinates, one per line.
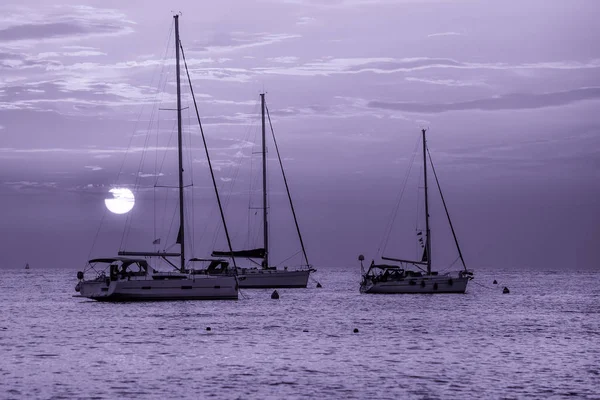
(254, 278)
(447, 283)
(197, 288)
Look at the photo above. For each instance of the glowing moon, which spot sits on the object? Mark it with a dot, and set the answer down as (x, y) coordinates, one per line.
(122, 201)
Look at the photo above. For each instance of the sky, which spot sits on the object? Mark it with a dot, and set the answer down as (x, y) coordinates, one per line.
(509, 92)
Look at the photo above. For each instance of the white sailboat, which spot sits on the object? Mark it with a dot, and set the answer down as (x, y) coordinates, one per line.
(416, 276)
(130, 277)
(263, 275)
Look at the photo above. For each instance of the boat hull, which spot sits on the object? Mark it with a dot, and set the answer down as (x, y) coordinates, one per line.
(418, 285)
(202, 288)
(272, 278)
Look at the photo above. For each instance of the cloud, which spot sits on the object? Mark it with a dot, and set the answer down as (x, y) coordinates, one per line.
(94, 151)
(331, 66)
(30, 184)
(29, 26)
(227, 42)
(42, 31)
(20, 61)
(513, 101)
(305, 21)
(445, 34)
(445, 82)
(79, 53)
(284, 60)
(150, 175)
(337, 4)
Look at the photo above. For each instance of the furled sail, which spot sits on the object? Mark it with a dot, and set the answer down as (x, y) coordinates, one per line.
(425, 257)
(178, 241)
(252, 253)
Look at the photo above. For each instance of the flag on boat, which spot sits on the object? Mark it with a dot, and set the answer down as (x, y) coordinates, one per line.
(156, 241)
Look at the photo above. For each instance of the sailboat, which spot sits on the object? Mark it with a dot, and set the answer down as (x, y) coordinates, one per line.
(263, 275)
(26, 265)
(406, 276)
(130, 277)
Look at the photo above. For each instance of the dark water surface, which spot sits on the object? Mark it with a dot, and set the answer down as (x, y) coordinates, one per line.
(540, 341)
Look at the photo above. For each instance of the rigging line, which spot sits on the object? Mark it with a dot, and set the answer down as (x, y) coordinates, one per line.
(386, 235)
(253, 128)
(293, 255)
(419, 213)
(482, 285)
(451, 265)
(446, 209)
(454, 262)
(233, 170)
(189, 209)
(129, 218)
(97, 232)
(155, 181)
(286, 186)
(212, 174)
(161, 168)
(175, 216)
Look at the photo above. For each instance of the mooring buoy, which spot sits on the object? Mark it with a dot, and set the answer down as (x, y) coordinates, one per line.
(275, 295)
(355, 330)
(505, 290)
(208, 328)
(319, 285)
(495, 282)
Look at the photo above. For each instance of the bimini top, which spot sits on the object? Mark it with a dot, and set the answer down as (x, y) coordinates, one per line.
(386, 267)
(124, 260)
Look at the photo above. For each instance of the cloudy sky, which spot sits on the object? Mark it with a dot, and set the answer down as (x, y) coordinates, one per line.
(510, 93)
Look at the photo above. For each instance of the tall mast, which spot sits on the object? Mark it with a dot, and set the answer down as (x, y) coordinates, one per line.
(264, 185)
(181, 234)
(428, 240)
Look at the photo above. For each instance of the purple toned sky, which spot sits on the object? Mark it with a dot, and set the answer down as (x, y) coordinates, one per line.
(510, 91)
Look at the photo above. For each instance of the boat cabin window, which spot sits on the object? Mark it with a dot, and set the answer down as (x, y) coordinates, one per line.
(217, 266)
(127, 270)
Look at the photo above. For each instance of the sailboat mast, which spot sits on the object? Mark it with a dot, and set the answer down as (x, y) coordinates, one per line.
(427, 232)
(181, 234)
(264, 185)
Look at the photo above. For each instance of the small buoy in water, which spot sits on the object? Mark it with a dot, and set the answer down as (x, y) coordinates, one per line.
(208, 328)
(305, 330)
(495, 282)
(319, 285)
(275, 295)
(355, 330)
(505, 290)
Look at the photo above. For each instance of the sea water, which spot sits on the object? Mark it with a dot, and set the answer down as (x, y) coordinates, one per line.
(542, 340)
